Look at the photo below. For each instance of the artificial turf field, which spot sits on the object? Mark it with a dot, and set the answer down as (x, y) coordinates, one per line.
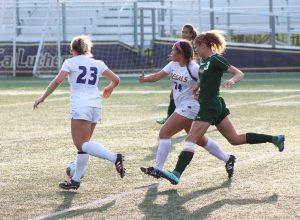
(36, 145)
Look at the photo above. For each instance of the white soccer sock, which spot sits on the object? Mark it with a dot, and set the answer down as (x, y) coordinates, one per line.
(213, 148)
(162, 153)
(82, 160)
(98, 150)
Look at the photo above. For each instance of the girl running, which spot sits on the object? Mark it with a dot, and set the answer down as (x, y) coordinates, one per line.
(210, 46)
(83, 73)
(183, 72)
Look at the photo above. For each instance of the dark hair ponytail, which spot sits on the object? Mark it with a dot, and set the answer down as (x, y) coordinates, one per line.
(186, 49)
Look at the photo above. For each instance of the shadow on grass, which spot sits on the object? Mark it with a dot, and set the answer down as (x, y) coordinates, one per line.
(66, 209)
(174, 207)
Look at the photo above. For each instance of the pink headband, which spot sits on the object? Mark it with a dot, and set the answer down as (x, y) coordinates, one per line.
(177, 45)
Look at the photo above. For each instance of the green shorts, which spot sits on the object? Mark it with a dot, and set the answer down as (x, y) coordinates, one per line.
(213, 111)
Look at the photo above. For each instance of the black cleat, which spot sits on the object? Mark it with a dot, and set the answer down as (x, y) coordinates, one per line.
(230, 166)
(120, 165)
(69, 184)
(151, 171)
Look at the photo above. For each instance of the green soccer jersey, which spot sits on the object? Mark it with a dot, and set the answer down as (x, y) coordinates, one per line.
(210, 72)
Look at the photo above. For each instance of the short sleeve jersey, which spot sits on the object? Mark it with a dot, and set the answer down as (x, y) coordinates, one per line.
(182, 82)
(84, 73)
(211, 71)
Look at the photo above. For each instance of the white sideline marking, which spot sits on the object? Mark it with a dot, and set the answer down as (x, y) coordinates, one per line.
(98, 202)
(31, 103)
(148, 92)
(29, 92)
(231, 91)
(152, 118)
(163, 105)
(281, 104)
(125, 194)
(264, 101)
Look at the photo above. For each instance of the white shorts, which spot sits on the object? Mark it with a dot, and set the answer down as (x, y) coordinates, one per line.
(87, 113)
(188, 111)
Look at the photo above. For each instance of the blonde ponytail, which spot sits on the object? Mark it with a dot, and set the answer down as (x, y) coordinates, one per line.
(82, 44)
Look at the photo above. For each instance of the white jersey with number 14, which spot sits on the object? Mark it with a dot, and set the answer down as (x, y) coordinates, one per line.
(183, 82)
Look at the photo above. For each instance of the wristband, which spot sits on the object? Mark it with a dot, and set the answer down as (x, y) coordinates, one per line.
(49, 90)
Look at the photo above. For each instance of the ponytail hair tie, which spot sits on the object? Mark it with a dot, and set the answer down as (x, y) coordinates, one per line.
(177, 45)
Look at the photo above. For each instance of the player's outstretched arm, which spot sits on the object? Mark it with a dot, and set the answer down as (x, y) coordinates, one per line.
(152, 77)
(51, 87)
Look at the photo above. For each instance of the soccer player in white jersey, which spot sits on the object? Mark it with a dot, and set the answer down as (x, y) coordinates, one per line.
(183, 72)
(83, 73)
(189, 33)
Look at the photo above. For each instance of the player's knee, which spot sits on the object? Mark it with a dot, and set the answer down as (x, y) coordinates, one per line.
(201, 142)
(78, 145)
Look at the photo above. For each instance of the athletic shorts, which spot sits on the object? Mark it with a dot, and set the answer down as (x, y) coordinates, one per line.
(87, 113)
(213, 111)
(189, 111)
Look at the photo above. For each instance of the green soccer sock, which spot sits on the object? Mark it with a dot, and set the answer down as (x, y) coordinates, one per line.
(184, 159)
(171, 107)
(253, 138)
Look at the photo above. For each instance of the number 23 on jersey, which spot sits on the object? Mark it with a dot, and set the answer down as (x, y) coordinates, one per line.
(84, 71)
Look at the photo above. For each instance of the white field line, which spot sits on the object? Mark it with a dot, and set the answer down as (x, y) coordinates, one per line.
(66, 131)
(132, 106)
(62, 92)
(186, 179)
(6, 92)
(99, 202)
(124, 194)
(29, 92)
(281, 104)
(138, 121)
(265, 101)
(31, 103)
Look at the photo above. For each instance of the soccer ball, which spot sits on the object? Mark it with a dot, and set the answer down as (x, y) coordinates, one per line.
(71, 167)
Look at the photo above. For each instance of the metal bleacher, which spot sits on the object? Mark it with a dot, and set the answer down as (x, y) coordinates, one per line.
(121, 19)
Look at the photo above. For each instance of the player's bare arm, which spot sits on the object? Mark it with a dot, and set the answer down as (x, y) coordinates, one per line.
(51, 87)
(114, 82)
(152, 77)
(238, 76)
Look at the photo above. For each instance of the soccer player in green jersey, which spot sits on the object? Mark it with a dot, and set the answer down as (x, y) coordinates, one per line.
(213, 111)
(189, 33)
(183, 72)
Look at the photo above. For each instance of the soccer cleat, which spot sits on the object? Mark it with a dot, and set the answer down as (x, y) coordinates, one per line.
(169, 176)
(151, 171)
(120, 165)
(69, 184)
(229, 166)
(161, 121)
(279, 142)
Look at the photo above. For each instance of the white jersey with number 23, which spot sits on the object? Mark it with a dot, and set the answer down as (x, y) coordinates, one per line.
(84, 73)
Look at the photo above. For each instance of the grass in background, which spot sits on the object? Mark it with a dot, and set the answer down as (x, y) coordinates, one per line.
(36, 146)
